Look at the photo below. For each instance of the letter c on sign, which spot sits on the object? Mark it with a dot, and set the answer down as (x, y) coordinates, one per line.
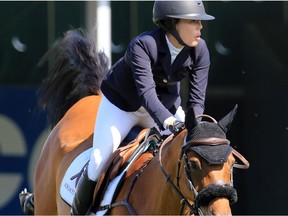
(12, 143)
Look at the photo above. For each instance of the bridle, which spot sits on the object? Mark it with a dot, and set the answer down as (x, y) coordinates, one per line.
(207, 194)
(183, 200)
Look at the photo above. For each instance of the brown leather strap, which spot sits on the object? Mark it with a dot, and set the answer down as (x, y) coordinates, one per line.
(208, 141)
(207, 116)
(245, 164)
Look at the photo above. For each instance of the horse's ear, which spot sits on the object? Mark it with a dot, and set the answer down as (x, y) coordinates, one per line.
(190, 119)
(226, 122)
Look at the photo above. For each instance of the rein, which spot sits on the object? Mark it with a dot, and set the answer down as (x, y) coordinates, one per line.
(193, 208)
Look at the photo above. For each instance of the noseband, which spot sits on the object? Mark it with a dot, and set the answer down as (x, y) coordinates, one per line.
(206, 195)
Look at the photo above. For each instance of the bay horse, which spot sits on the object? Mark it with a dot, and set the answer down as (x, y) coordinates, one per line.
(190, 172)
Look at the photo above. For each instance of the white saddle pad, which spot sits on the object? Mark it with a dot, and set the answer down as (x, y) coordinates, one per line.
(68, 185)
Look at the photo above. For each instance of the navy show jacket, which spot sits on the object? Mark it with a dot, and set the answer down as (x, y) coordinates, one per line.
(145, 77)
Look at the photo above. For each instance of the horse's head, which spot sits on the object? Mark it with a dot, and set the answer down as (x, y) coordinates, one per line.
(209, 161)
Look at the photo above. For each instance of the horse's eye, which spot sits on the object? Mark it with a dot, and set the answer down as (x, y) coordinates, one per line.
(194, 165)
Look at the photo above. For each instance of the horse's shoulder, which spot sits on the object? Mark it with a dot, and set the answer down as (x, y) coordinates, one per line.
(76, 126)
(80, 118)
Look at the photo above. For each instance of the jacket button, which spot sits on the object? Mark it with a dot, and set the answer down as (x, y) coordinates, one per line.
(165, 81)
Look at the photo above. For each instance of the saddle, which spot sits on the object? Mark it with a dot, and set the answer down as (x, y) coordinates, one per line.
(124, 157)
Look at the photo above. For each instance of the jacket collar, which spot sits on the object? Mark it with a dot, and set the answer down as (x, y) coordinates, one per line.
(183, 57)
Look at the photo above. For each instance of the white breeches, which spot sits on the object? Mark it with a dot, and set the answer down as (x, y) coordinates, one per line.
(112, 125)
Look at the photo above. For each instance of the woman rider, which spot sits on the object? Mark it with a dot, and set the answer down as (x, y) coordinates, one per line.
(143, 87)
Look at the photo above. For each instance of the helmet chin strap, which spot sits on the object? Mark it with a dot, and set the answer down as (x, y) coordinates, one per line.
(173, 32)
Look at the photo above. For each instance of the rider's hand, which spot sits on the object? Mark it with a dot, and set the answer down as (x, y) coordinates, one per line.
(169, 122)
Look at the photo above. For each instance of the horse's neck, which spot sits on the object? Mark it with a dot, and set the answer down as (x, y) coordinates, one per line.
(158, 194)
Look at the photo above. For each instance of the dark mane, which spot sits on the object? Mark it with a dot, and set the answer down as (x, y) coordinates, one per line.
(77, 72)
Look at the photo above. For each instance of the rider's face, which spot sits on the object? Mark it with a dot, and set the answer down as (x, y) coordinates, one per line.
(189, 31)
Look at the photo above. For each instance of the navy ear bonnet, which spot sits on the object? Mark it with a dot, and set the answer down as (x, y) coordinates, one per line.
(198, 140)
(217, 154)
(208, 139)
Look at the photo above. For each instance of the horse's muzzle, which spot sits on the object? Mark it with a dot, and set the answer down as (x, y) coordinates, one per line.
(213, 191)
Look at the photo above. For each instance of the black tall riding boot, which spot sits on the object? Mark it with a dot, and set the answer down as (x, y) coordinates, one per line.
(84, 195)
